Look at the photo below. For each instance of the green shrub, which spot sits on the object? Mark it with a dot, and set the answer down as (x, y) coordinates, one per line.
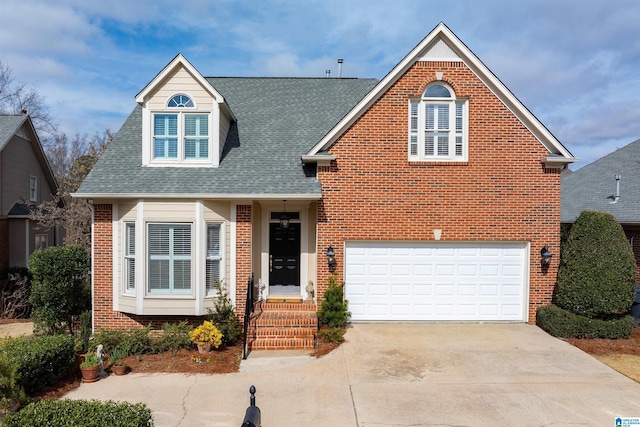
(596, 277)
(565, 324)
(59, 287)
(333, 311)
(134, 341)
(10, 389)
(81, 413)
(39, 361)
(175, 336)
(332, 335)
(223, 316)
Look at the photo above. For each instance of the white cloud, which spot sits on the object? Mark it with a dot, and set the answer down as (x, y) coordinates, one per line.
(574, 65)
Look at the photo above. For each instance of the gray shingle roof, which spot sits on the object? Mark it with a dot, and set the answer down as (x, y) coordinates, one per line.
(593, 187)
(9, 124)
(279, 120)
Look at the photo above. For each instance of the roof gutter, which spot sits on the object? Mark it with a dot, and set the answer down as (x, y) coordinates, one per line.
(320, 159)
(217, 196)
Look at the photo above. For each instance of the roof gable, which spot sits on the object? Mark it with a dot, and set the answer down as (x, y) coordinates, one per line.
(21, 125)
(10, 124)
(442, 44)
(169, 71)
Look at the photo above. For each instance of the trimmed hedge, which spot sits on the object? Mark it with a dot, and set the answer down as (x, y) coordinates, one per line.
(39, 361)
(565, 324)
(596, 276)
(81, 413)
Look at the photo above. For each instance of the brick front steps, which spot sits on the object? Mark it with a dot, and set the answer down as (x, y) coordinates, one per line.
(283, 326)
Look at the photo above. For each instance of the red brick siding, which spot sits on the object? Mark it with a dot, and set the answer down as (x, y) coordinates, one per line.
(372, 192)
(105, 317)
(243, 255)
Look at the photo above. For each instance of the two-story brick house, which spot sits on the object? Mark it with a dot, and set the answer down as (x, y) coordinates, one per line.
(430, 193)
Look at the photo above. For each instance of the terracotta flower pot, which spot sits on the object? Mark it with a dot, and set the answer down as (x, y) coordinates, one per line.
(120, 369)
(90, 374)
(204, 348)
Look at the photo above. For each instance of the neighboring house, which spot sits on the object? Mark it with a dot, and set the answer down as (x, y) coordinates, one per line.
(26, 180)
(610, 184)
(430, 193)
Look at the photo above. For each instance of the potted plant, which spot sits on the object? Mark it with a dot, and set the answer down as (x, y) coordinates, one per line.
(206, 337)
(90, 367)
(116, 360)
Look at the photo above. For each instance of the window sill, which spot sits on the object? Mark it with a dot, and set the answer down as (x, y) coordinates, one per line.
(438, 163)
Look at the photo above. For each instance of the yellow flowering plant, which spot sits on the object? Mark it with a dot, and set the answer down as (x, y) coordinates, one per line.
(206, 335)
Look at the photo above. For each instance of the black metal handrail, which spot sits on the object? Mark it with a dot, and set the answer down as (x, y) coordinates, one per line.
(248, 309)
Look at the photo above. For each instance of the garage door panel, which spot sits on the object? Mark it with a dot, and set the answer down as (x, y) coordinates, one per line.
(400, 290)
(420, 289)
(436, 281)
(377, 289)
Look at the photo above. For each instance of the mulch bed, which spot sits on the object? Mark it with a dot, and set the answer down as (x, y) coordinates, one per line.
(599, 346)
(220, 361)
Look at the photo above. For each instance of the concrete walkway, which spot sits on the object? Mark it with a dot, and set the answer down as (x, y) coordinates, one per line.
(398, 375)
(16, 329)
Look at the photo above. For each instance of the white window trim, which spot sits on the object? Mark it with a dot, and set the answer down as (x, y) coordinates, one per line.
(171, 294)
(221, 257)
(181, 159)
(125, 257)
(148, 133)
(452, 102)
(33, 188)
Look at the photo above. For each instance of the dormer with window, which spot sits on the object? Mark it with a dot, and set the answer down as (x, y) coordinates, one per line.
(185, 120)
(438, 126)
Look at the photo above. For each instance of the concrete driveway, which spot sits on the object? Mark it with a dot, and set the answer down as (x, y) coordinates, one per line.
(398, 375)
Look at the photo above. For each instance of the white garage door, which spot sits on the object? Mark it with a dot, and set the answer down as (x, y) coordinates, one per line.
(436, 281)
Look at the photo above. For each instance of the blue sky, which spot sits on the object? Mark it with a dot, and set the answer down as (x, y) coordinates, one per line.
(575, 64)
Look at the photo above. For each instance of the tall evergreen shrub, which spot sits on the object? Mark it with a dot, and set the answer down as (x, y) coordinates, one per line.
(334, 309)
(596, 276)
(59, 288)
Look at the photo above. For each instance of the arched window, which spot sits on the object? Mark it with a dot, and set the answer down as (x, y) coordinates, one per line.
(438, 126)
(180, 101)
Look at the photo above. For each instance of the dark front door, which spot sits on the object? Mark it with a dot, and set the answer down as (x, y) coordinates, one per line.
(284, 255)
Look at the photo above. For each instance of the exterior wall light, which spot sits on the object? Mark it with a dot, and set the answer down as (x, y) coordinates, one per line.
(284, 219)
(331, 257)
(545, 256)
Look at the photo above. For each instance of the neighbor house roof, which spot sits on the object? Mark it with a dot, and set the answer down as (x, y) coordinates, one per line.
(593, 187)
(278, 120)
(9, 125)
